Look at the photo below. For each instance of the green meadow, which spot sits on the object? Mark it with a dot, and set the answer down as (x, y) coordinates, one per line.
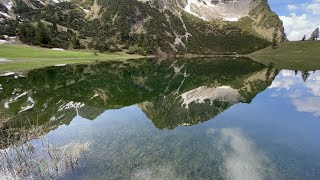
(302, 55)
(20, 57)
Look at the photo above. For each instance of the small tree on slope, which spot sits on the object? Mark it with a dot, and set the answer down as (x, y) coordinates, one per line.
(274, 40)
(315, 35)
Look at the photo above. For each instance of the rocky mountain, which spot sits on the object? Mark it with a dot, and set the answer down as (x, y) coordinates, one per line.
(144, 26)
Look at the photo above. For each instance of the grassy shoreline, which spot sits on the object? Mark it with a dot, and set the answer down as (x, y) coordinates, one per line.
(302, 55)
(21, 57)
(289, 55)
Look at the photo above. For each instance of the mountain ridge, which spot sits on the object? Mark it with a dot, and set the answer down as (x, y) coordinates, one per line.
(141, 26)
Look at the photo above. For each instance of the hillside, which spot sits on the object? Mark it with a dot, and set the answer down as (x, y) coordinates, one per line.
(143, 26)
(303, 55)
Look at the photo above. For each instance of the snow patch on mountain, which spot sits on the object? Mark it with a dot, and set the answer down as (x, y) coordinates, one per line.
(85, 10)
(41, 2)
(228, 10)
(5, 14)
(7, 3)
(59, 1)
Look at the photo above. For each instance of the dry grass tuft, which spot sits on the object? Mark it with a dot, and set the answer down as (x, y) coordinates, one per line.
(40, 160)
(26, 154)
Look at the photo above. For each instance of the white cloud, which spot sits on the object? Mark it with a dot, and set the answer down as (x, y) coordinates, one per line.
(296, 26)
(314, 8)
(304, 17)
(292, 7)
(285, 80)
(296, 94)
(305, 96)
(313, 84)
(244, 160)
(310, 105)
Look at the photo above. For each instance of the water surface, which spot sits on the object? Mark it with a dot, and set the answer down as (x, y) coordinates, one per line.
(205, 118)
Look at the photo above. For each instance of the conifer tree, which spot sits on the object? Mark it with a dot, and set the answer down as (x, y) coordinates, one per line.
(42, 36)
(75, 42)
(274, 40)
(305, 75)
(315, 34)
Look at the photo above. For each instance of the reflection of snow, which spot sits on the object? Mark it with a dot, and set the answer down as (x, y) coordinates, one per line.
(71, 105)
(8, 74)
(200, 94)
(309, 104)
(6, 105)
(54, 118)
(95, 95)
(19, 96)
(30, 106)
(184, 124)
(11, 100)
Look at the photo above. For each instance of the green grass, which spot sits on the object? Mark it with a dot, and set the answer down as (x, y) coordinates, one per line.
(303, 55)
(25, 57)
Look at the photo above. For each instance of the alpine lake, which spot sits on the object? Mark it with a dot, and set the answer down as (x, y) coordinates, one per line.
(201, 118)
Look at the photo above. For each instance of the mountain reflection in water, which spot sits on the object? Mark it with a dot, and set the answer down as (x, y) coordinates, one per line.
(171, 93)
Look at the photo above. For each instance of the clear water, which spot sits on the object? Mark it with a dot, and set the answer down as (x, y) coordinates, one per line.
(185, 119)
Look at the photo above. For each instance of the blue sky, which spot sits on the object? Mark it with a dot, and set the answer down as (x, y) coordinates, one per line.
(300, 17)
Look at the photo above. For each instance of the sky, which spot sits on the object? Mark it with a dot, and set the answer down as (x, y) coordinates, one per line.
(300, 17)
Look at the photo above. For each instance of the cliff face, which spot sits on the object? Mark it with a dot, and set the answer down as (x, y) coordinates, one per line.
(148, 26)
(229, 10)
(265, 22)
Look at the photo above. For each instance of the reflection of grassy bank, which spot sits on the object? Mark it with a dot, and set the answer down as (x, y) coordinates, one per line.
(291, 55)
(25, 57)
(26, 154)
(40, 161)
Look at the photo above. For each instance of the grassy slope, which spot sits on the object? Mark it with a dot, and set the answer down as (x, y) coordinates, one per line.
(26, 57)
(291, 55)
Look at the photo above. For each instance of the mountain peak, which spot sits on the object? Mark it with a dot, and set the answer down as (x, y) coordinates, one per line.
(229, 10)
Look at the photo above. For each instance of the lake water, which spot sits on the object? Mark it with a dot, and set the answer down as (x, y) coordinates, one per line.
(205, 118)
